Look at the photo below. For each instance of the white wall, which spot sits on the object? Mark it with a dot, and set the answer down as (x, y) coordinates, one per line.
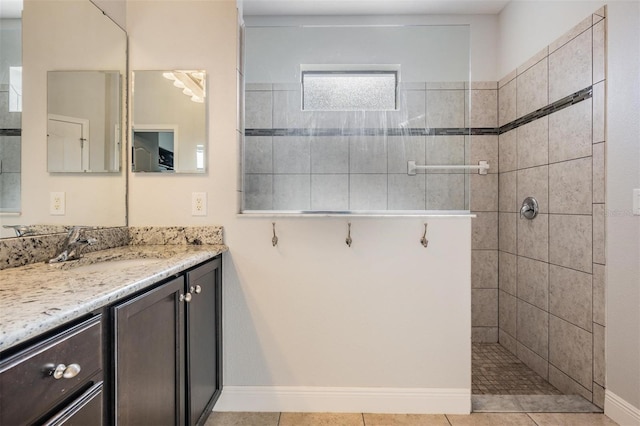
(525, 28)
(65, 35)
(483, 33)
(623, 229)
(322, 321)
(425, 53)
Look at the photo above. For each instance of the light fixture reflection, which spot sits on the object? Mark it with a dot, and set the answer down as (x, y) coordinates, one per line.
(192, 83)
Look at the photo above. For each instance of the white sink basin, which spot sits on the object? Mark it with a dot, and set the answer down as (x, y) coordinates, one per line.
(114, 264)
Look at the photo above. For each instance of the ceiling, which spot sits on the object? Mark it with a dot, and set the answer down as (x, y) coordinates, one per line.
(372, 7)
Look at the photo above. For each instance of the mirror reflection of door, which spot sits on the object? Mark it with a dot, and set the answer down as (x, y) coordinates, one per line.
(68, 145)
(155, 148)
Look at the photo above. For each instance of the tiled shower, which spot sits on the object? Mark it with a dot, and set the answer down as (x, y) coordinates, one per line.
(549, 272)
(537, 285)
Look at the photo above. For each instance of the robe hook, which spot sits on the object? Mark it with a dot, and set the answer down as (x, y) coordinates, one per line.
(349, 240)
(274, 240)
(424, 240)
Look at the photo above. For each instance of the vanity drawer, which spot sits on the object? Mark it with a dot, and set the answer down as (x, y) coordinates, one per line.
(34, 381)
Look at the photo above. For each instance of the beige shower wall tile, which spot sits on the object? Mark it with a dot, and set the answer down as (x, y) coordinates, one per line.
(532, 88)
(534, 182)
(484, 192)
(533, 328)
(507, 232)
(484, 108)
(446, 85)
(570, 132)
(484, 268)
(508, 151)
(599, 122)
(599, 172)
(570, 186)
(484, 148)
(533, 282)
(507, 192)
(599, 49)
(507, 270)
(570, 241)
(599, 294)
(533, 143)
(507, 103)
(484, 307)
(507, 78)
(598, 354)
(599, 234)
(570, 296)
(533, 237)
(570, 67)
(570, 350)
(445, 108)
(481, 85)
(533, 60)
(507, 306)
(566, 384)
(571, 34)
(484, 334)
(485, 231)
(533, 361)
(598, 394)
(507, 341)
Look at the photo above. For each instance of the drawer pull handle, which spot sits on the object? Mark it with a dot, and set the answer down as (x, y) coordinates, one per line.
(66, 372)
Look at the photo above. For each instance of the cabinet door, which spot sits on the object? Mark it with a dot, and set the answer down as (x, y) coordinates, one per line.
(204, 340)
(149, 363)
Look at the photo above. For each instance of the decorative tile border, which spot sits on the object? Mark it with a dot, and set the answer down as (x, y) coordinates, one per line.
(10, 132)
(558, 105)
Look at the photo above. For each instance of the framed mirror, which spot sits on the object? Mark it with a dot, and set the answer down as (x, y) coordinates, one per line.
(169, 132)
(83, 121)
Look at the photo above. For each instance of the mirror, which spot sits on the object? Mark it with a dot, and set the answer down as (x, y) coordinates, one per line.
(83, 121)
(60, 36)
(169, 121)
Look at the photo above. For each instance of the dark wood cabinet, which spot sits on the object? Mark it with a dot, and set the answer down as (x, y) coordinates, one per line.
(51, 381)
(168, 344)
(204, 340)
(149, 357)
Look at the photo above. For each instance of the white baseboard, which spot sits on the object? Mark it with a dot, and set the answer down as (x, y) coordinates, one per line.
(344, 400)
(620, 411)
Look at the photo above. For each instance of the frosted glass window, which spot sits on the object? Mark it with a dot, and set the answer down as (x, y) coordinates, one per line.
(349, 91)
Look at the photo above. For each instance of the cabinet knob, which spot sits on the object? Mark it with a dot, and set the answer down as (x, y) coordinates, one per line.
(185, 297)
(62, 371)
(198, 289)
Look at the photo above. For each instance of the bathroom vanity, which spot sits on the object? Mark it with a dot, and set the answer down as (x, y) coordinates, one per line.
(92, 342)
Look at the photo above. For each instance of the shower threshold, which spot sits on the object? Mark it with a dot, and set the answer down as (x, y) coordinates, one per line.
(501, 383)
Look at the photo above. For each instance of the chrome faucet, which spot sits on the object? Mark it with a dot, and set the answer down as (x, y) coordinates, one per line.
(73, 245)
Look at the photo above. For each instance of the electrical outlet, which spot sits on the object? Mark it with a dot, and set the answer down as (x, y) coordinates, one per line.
(198, 204)
(56, 203)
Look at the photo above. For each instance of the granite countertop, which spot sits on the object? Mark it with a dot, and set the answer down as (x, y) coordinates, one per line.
(39, 297)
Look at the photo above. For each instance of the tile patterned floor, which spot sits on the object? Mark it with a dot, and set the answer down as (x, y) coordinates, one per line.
(496, 371)
(358, 419)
